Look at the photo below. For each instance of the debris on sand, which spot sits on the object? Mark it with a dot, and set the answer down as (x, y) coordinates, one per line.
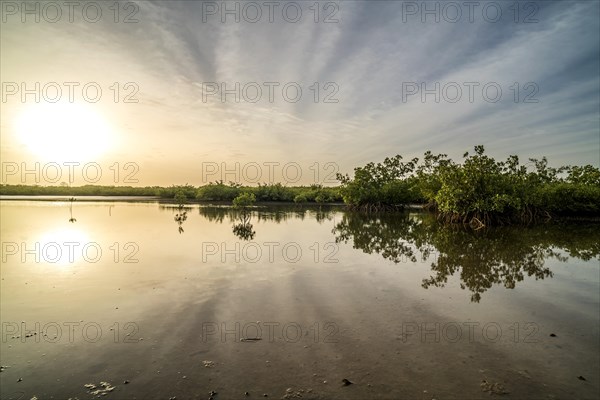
(99, 390)
(3, 367)
(524, 373)
(250, 339)
(552, 335)
(581, 378)
(493, 388)
(346, 382)
(293, 394)
(211, 395)
(208, 363)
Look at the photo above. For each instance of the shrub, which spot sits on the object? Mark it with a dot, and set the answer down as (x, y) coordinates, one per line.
(218, 191)
(244, 200)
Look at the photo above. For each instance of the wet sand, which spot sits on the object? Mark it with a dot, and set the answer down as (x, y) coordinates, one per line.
(364, 346)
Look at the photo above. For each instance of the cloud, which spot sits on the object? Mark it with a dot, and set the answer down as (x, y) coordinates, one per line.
(368, 54)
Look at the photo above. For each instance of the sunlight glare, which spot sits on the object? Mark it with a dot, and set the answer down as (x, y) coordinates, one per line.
(66, 246)
(63, 132)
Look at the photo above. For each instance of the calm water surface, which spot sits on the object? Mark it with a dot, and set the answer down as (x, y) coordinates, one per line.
(286, 302)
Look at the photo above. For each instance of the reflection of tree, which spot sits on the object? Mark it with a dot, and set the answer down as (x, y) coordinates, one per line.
(244, 230)
(396, 236)
(216, 214)
(322, 214)
(71, 200)
(181, 214)
(180, 218)
(501, 256)
(277, 214)
(181, 199)
(242, 204)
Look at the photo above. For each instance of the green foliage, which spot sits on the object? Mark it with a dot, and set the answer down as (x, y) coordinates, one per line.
(571, 198)
(218, 191)
(86, 190)
(474, 188)
(244, 200)
(379, 185)
(273, 192)
(586, 175)
(426, 181)
(269, 192)
(481, 191)
(170, 192)
(180, 198)
(491, 192)
(318, 194)
(301, 198)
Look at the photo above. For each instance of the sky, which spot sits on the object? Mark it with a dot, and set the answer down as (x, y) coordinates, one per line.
(159, 93)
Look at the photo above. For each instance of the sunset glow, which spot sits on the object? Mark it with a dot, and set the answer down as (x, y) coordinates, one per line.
(63, 132)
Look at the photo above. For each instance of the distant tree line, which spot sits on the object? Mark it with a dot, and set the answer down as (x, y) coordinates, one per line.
(218, 191)
(86, 190)
(480, 191)
(213, 192)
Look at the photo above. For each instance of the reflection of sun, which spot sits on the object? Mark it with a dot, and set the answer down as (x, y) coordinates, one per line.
(63, 131)
(66, 246)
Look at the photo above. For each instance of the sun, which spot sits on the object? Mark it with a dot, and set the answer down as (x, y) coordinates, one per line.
(63, 131)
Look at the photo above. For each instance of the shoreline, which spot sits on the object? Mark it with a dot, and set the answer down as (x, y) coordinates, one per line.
(259, 204)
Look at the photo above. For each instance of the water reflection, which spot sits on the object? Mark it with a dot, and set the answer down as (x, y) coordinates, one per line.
(241, 218)
(502, 256)
(72, 219)
(181, 214)
(180, 218)
(243, 229)
(481, 259)
(278, 214)
(219, 214)
(209, 275)
(322, 215)
(65, 246)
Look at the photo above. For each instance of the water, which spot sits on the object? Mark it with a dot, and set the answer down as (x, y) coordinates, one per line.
(173, 302)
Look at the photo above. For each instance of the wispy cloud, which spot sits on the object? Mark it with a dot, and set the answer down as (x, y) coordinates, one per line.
(375, 47)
